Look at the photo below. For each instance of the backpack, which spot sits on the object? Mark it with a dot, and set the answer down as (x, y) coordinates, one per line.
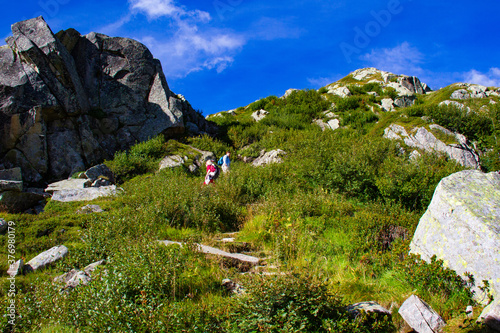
(221, 161)
(216, 172)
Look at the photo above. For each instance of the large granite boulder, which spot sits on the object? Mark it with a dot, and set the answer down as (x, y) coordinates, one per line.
(69, 101)
(462, 227)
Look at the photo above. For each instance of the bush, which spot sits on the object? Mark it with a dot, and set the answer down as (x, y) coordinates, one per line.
(291, 303)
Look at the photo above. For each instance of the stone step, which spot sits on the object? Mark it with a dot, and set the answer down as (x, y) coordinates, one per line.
(248, 261)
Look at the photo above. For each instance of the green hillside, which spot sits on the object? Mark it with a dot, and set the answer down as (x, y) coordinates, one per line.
(332, 223)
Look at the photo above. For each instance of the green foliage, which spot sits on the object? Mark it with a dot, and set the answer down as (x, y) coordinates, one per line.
(434, 278)
(291, 303)
(142, 158)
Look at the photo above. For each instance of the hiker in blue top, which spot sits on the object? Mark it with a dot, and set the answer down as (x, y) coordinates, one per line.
(226, 162)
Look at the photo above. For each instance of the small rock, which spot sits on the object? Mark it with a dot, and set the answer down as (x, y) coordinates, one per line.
(233, 287)
(387, 104)
(368, 307)
(469, 311)
(100, 171)
(420, 316)
(491, 315)
(270, 157)
(16, 268)
(88, 209)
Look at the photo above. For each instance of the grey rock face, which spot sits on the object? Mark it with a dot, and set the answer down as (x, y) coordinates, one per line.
(46, 258)
(420, 316)
(462, 226)
(69, 101)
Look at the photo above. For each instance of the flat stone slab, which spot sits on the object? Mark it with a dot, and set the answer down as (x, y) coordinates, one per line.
(67, 184)
(46, 258)
(243, 258)
(85, 194)
(420, 316)
(369, 307)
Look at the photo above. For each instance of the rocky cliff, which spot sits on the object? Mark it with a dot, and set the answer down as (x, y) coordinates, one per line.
(69, 101)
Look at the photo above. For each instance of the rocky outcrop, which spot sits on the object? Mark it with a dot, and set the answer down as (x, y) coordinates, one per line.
(462, 226)
(403, 84)
(424, 139)
(420, 316)
(69, 101)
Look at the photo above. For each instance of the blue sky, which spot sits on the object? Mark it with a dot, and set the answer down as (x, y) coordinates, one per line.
(222, 54)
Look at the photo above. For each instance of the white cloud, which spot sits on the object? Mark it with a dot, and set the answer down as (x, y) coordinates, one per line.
(190, 43)
(158, 8)
(402, 59)
(489, 79)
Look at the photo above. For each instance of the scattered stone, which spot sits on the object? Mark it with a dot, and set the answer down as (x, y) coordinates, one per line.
(88, 209)
(259, 115)
(74, 277)
(46, 258)
(233, 287)
(420, 316)
(414, 155)
(339, 91)
(172, 161)
(16, 268)
(456, 104)
(368, 307)
(270, 157)
(462, 227)
(387, 104)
